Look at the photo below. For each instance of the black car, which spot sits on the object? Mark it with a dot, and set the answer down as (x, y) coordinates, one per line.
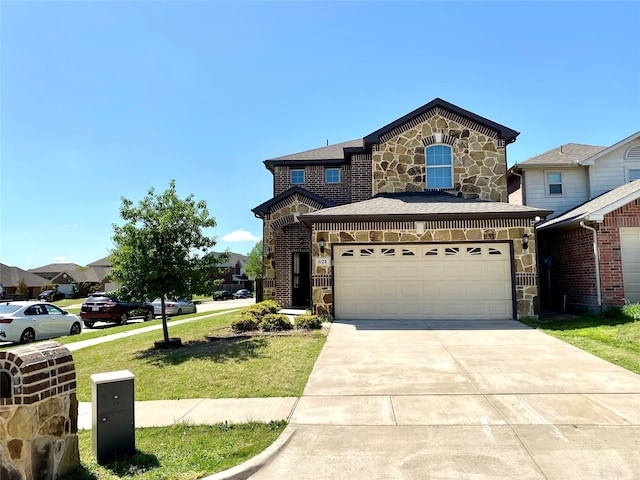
(244, 293)
(222, 295)
(51, 296)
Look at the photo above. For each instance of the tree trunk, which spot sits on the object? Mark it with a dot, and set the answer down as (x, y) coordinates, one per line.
(165, 327)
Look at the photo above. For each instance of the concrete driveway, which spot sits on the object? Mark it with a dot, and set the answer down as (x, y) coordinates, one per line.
(429, 399)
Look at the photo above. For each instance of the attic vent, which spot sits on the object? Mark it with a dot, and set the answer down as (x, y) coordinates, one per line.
(633, 155)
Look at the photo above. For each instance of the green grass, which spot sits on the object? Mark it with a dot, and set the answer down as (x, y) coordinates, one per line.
(262, 366)
(179, 452)
(613, 336)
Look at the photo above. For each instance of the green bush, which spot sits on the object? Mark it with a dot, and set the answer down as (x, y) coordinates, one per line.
(309, 322)
(632, 310)
(275, 322)
(259, 310)
(244, 323)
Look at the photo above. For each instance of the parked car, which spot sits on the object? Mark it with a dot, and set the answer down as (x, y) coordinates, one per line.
(174, 307)
(104, 307)
(222, 295)
(244, 293)
(26, 322)
(51, 296)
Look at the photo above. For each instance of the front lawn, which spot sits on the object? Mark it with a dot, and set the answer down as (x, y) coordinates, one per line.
(613, 336)
(179, 452)
(262, 366)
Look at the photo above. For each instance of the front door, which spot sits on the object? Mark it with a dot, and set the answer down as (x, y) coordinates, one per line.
(300, 278)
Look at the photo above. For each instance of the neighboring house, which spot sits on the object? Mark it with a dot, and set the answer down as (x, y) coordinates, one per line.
(54, 269)
(569, 175)
(70, 276)
(408, 222)
(232, 271)
(590, 252)
(10, 278)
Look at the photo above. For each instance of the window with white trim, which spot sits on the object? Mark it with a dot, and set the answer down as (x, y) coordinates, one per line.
(554, 183)
(332, 175)
(634, 174)
(297, 177)
(439, 167)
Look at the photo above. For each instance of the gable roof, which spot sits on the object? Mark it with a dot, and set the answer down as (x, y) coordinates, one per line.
(591, 160)
(340, 153)
(595, 210)
(505, 133)
(421, 205)
(567, 155)
(103, 262)
(11, 276)
(55, 268)
(264, 208)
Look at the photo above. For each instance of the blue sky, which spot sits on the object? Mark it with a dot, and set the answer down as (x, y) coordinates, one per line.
(103, 100)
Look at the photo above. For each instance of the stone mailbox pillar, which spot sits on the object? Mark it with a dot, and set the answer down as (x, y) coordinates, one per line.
(113, 429)
(38, 413)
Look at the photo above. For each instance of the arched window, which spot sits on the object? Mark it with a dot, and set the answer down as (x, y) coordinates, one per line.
(439, 167)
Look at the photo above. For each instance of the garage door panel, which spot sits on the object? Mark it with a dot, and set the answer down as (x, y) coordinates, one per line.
(424, 281)
(630, 253)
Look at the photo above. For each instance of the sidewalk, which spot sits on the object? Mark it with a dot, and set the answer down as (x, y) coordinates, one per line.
(159, 413)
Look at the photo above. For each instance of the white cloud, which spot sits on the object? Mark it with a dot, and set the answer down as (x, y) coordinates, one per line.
(240, 236)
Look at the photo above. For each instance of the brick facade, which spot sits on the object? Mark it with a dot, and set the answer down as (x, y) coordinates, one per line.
(572, 272)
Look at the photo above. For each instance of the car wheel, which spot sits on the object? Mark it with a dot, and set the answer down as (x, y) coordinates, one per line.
(75, 329)
(195, 309)
(28, 336)
(88, 324)
(124, 318)
(179, 312)
(151, 314)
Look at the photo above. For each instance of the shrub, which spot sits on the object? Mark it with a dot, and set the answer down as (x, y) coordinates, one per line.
(632, 310)
(275, 322)
(244, 323)
(259, 310)
(309, 322)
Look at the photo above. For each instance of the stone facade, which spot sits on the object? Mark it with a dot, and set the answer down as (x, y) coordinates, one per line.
(524, 265)
(479, 158)
(38, 413)
(392, 160)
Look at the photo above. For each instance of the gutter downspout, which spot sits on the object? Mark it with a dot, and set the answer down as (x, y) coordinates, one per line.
(597, 260)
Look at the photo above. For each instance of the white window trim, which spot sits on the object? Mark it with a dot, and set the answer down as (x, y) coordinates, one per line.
(547, 193)
(291, 176)
(629, 170)
(331, 170)
(427, 167)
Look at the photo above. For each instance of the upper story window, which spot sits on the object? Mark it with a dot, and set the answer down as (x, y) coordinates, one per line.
(439, 167)
(554, 183)
(634, 174)
(297, 177)
(332, 175)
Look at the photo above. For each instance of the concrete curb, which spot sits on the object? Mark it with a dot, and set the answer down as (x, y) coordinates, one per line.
(251, 466)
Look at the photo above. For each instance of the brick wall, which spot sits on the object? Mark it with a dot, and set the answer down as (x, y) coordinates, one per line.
(293, 238)
(573, 263)
(314, 182)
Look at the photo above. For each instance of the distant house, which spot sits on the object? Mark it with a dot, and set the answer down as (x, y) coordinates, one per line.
(590, 247)
(71, 277)
(232, 272)
(10, 277)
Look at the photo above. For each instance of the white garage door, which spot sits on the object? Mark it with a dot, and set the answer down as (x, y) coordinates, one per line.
(441, 281)
(630, 251)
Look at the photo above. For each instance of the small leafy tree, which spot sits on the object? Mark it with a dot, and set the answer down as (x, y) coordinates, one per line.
(161, 250)
(22, 288)
(253, 267)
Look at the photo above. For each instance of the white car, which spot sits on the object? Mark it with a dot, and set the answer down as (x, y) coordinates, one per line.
(26, 322)
(173, 307)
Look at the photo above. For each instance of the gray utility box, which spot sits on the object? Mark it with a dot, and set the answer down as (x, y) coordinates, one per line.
(112, 414)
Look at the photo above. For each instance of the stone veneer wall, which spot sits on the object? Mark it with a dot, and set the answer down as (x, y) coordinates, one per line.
(479, 157)
(526, 285)
(282, 235)
(38, 413)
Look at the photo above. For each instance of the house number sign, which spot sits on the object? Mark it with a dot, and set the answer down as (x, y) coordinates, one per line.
(322, 261)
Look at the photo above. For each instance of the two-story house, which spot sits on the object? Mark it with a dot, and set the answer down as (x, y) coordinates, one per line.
(589, 250)
(408, 222)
